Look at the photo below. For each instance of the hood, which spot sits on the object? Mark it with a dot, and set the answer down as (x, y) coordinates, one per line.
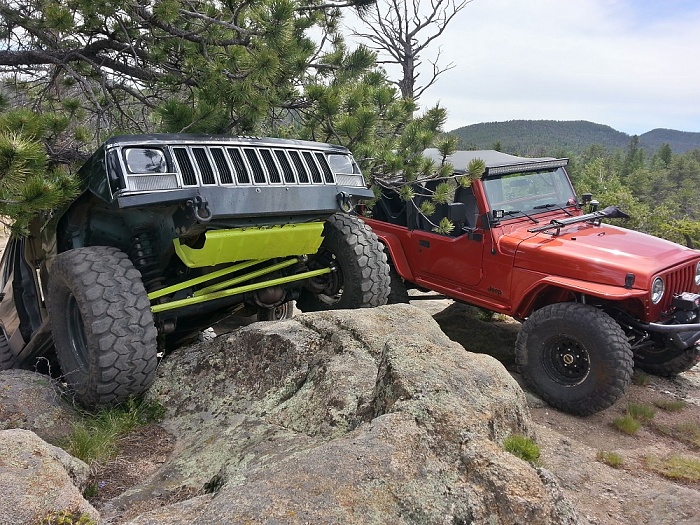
(603, 254)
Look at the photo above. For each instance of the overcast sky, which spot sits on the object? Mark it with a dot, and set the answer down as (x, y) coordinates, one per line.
(631, 64)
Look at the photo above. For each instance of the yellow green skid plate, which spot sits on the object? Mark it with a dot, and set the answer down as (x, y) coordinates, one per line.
(241, 244)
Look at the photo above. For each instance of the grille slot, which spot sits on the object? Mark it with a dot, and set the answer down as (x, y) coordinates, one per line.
(225, 175)
(186, 168)
(286, 166)
(302, 173)
(205, 168)
(272, 170)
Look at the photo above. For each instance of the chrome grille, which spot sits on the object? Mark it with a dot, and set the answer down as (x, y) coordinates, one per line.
(232, 165)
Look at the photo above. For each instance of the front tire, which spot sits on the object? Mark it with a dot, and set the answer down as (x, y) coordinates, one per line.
(102, 325)
(575, 356)
(361, 275)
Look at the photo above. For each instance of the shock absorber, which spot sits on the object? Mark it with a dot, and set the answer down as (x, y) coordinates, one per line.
(143, 255)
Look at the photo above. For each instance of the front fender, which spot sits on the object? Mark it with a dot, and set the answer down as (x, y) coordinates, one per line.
(574, 286)
(394, 249)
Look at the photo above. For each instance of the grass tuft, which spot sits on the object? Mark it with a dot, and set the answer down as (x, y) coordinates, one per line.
(64, 517)
(612, 459)
(523, 447)
(671, 405)
(641, 413)
(676, 466)
(640, 378)
(627, 424)
(95, 439)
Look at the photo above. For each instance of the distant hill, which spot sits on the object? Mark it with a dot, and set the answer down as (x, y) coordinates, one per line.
(554, 137)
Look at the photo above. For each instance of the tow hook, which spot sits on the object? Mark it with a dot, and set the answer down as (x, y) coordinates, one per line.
(344, 202)
(200, 209)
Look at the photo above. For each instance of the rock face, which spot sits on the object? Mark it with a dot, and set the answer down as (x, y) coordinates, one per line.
(30, 401)
(38, 479)
(371, 416)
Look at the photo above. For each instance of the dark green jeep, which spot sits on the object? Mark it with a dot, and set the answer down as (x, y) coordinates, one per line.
(172, 233)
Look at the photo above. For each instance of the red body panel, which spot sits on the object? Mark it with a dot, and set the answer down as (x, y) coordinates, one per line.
(508, 269)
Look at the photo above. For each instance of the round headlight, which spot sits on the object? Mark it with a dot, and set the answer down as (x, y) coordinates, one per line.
(657, 290)
(697, 274)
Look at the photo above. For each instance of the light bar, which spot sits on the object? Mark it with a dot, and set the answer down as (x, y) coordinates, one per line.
(526, 166)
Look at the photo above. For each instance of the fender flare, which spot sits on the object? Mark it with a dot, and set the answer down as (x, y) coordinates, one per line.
(602, 291)
(392, 245)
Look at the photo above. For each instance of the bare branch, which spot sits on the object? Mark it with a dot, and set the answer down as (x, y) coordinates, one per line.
(400, 31)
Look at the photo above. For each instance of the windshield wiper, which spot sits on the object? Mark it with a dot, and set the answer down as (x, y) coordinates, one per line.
(553, 205)
(514, 212)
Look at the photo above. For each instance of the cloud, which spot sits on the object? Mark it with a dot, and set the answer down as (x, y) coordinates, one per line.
(628, 64)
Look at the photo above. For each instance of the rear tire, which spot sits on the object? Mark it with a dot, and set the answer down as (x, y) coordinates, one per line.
(7, 358)
(102, 325)
(667, 362)
(575, 356)
(398, 293)
(361, 276)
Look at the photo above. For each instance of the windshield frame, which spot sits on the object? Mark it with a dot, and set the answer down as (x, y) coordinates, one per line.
(526, 192)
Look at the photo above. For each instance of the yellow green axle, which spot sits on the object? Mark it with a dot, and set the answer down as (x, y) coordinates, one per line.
(245, 248)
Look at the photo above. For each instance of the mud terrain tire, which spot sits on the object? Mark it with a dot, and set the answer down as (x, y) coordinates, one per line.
(668, 362)
(102, 325)
(399, 292)
(7, 358)
(575, 357)
(361, 278)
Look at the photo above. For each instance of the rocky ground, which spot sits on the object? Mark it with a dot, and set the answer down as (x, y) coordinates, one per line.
(632, 493)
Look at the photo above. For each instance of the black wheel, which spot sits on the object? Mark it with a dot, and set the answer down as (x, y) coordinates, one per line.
(576, 357)
(398, 293)
(666, 362)
(278, 313)
(361, 273)
(7, 358)
(102, 325)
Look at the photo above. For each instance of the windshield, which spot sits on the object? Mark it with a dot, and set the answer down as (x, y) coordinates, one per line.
(529, 192)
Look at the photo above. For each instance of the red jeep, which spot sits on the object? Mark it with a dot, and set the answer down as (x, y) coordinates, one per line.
(594, 299)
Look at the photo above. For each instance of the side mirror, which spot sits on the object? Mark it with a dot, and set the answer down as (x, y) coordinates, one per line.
(586, 198)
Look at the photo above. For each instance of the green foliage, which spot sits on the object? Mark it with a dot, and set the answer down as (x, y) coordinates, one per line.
(28, 184)
(641, 413)
(65, 517)
(627, 424)
(538, 138)
(95, 439)
(612, 459)
(523, 447)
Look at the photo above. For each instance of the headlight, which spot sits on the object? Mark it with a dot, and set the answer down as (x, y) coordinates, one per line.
(147, 170)
(657, 290)
(697, 274)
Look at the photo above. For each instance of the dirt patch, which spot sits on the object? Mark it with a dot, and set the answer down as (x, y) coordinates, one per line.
(573, 447)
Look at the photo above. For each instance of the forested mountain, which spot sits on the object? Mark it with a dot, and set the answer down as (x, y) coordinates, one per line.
(549, 137)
